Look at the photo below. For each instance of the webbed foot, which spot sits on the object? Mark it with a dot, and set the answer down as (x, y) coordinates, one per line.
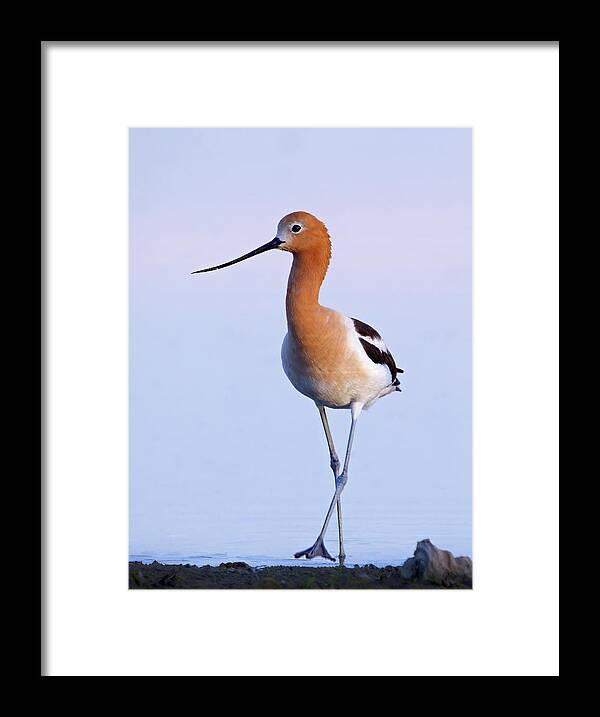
(318, 550)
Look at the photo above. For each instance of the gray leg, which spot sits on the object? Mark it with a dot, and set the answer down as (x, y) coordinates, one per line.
(335, 467)
(318, 548)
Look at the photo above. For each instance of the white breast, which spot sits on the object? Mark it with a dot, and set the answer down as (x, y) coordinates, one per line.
(338, 378)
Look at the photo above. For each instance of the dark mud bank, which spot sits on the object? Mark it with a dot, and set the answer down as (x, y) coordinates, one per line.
(429, 568)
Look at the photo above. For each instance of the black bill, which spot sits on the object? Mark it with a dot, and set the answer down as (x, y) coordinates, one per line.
(273, 244)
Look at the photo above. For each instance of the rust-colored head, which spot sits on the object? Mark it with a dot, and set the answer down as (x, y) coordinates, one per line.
(300, 232)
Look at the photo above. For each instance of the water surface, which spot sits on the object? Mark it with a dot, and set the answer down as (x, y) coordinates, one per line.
(259, 537)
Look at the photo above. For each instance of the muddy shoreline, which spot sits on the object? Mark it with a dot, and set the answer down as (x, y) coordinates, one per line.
(429, 568)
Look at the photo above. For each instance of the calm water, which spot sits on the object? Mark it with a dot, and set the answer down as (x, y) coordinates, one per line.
(259, 537)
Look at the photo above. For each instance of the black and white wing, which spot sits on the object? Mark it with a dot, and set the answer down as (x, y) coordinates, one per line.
(376, 349)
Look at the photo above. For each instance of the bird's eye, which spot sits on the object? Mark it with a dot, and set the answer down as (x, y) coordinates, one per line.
(296, 228)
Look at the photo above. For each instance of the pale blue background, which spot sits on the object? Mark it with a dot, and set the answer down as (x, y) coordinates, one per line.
(227, 460)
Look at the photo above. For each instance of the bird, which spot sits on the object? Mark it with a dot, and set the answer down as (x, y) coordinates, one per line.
(336, 361)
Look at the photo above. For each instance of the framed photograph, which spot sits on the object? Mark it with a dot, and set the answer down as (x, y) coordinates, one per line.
(207, 390)
(297, 300)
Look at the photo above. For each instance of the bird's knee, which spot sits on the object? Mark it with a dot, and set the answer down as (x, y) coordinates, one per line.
(334, 463)
(340, 482)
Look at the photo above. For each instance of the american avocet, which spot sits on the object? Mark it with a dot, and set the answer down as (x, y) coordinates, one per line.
(336, 361)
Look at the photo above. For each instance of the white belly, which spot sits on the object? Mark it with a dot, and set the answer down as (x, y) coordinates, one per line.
(347, 377)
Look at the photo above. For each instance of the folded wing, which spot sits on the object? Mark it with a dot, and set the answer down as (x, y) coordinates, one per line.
(376, 349)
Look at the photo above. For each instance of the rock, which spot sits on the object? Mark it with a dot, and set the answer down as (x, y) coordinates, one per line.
(236, 566)
(269, 584)
(439, 567)
(430, 568)
(169, 580)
